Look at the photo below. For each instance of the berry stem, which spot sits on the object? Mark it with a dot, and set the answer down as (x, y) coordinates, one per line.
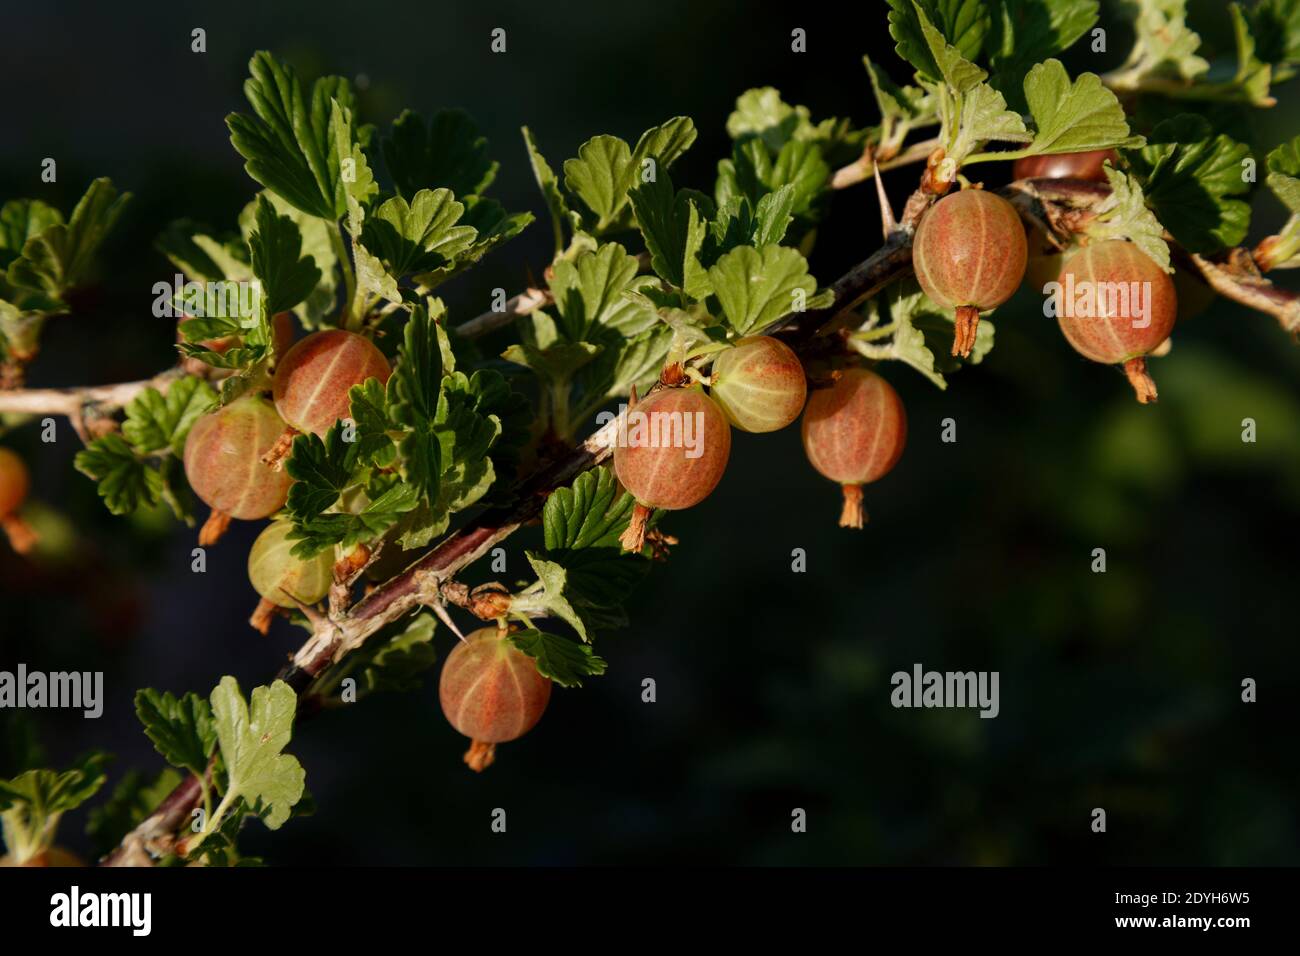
(633, 539)
(1143, 384)
(278, 452)
(852, 515)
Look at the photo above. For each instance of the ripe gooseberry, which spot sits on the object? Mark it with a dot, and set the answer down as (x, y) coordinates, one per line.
(491, 692)
(281, 579)
(854, 433)
(969, 255)
(672, 456)
(759, 384)
(1086, 165)
(223, 462)
(1117, 305)
(14, 483)
(313, 379)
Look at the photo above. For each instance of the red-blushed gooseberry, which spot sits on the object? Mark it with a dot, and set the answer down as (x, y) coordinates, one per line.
(854, 433)
(14, 485)
(1086, 165)
(491, 692)
(1116, 305)
(223, 462)
(672, 455)
(969, 254)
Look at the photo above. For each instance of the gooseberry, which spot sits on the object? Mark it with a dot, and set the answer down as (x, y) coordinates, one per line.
(854, 433)
(1086, 165)
(759, 384)
(281, 579)
(969, 254)
(313, 379)
(671, 454)
(1115, 306)
(491, 692)
(14, 483)
(223, 462)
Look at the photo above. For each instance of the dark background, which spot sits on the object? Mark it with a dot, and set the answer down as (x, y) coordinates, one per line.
(1118, 690)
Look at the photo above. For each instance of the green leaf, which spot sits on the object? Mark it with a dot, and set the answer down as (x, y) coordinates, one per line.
(32, 803)
(940, 38)
(763, 114)
(1284, 181)
(418, 236)
(415, 393)
(203, 258)
(551, 194)
(181, 728)
(1284, 173)
(494, 228)
(592, 512)
(125, 482)
(399, 663)
(751, 173)
(288, 145)
(1125, 215)
(672, 228)
(755, 287)
(898, 105)
(549, 598)
(132, 801)
(356, 179)
(1275, 25)
(983, 117)
(1165, 45)
(154, 421)
(447, 153)
(1026, 32)
(563, 660)
(322, 470)
(58, 257)
(318, 238)
(1073, 118)
(21, 220)
(49, 793)
(1191, 178)
(251, 740)
(606, 168)
(287, 276)
(589, 287)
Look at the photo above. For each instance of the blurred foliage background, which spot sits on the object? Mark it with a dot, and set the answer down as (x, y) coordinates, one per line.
(1119, 690)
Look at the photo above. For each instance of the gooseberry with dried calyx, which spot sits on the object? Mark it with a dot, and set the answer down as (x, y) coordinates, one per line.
(670, 455)
(491, 692)
(759, 384)
(969, 254)
(14, 484)
(1117, 305)
(854, 433)
(223, 463)
(281, 579)
(313, 380)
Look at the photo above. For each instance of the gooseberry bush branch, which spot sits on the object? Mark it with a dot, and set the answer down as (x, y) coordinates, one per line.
(394, 447)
